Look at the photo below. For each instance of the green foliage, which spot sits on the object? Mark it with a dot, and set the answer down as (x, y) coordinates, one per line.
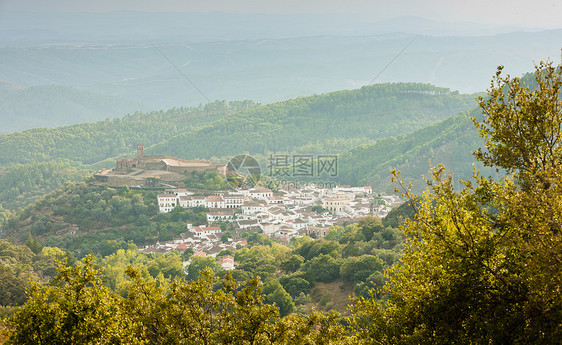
(295, 284)
(319, 209)
(76, 308)
(369, 226)
(38, 161)
(199, 264)
(257, 239)
(12, 287)
(312, 249)
(323, 268)
(335, 233)
(444, 142)
(196, 313)
(482, 265)
(187, 254)
(292, 264)
(19, 267)
(107, 219)
(359, 268)
(94, 142)
(399, 215)
(260, 260)
(282, 300)
(155, 301)
(207, 181)
(52, 156)
(226, 236)
(522, 122)
(23, 184)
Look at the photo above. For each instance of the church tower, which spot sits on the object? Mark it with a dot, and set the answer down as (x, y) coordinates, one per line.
(140, 155)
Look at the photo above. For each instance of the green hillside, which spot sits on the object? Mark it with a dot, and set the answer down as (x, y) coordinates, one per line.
(369, 113)
(366, 114)
(329, 123)
(449, 142)
(93, 142)
(22, 184)
(111, 222)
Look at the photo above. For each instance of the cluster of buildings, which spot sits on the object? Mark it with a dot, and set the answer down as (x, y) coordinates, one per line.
(297, 211)
(309, 210)
(204, 241)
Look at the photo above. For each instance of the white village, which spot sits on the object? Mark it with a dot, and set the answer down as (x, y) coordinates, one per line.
(278, 216)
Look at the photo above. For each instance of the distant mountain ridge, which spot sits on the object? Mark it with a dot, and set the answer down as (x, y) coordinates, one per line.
(271, 70)
(52, 106)
(370, 113)
(22, 27)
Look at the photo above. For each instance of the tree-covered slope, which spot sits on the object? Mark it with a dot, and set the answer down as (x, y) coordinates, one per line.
(369, 113)
(93, 142)
(328, 123)
(449, 142)
(22, 184)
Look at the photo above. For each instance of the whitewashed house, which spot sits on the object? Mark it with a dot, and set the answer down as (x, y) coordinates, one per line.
(201, 231)
(167, 202)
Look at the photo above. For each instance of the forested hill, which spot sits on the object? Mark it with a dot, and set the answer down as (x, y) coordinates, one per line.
(93, 142)
(221, 129)
(366, 114)
(449, 142)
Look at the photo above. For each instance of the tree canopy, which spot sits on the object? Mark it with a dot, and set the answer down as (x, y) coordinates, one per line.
(484, 265)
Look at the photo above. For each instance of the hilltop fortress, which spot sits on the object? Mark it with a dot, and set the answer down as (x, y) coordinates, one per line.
(154, 170)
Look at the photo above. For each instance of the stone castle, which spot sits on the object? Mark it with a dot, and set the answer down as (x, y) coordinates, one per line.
(137, 171)
(167, 163)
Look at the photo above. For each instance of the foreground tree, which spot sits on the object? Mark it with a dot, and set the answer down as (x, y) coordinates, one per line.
(484, 265)
(199, 312)
(75, 309)
(522, 123)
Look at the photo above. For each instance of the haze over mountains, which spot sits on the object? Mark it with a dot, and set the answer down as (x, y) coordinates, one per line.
(23, 28)
(147, 61)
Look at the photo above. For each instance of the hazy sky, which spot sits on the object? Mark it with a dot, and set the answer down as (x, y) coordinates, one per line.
(537, 13)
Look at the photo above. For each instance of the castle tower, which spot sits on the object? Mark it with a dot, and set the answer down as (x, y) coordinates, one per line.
(140, 155)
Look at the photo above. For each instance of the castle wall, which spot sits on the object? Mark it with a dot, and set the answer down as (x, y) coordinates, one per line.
(126, 163)
(187, 170)
(154, 165)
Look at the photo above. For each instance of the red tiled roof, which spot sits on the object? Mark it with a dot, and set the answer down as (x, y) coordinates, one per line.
(206, 228)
